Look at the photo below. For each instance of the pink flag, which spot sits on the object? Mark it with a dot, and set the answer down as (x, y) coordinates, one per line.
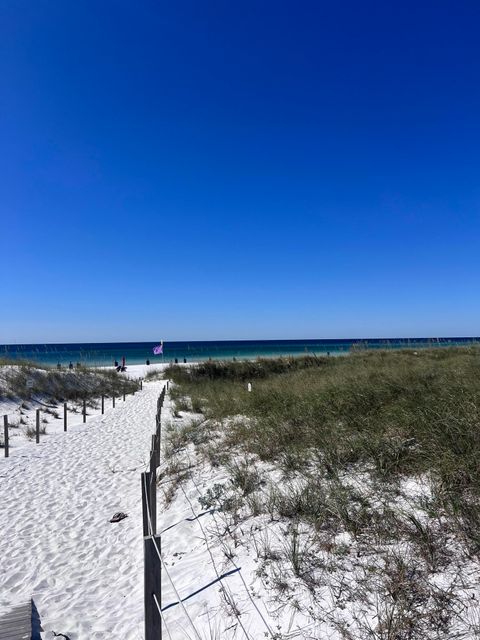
(158, 350)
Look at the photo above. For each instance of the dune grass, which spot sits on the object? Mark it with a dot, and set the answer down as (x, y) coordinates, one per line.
(390, 414)
(355, 479)
(25, 380)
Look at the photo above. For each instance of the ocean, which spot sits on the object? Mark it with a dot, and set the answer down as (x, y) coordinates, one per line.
(105, 353)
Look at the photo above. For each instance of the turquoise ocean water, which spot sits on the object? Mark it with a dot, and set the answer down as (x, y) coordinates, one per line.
(105, 353)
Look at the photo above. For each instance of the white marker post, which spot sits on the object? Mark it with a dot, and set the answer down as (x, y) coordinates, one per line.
(249, 386)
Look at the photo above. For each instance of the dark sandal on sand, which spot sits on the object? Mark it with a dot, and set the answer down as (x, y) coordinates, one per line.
(118, 516)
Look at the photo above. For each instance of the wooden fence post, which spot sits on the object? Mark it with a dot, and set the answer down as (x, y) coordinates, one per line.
(151, 541)
(84, 410)
(145, 477)
(37, 425)
(5, 435)
(64, 416)
(153, 502)
(103, 404)
(113, 403)
(124, 396)
(155, 452)
(141, 384)
(149, 502)
(153, 585)
(153, 455)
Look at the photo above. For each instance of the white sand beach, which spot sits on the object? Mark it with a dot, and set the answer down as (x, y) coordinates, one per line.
(232, 573)
(85, 574)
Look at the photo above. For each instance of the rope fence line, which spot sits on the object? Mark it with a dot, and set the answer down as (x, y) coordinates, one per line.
(7, 426)
(269, 631)
(150, 589)
(153, 559)
(160, 613)
(226, 592)
(154, 563)
(232, 561)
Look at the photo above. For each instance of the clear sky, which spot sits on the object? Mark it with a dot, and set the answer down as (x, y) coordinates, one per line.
(220, 170)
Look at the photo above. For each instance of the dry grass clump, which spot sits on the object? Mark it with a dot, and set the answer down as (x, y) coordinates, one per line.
(30, 432)
(178, 436)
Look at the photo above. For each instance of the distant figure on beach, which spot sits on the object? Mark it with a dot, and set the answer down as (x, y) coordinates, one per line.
(115, 364)
(121, 368)
(184, 361)
(70, 366)
(148, 362)
(176, 360)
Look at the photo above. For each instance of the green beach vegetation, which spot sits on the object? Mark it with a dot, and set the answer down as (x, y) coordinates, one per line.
(396, 412)
(375, 455)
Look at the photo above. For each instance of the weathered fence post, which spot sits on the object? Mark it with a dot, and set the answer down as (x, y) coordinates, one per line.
(124, 396)
(84, 410)
(155, 453)
(141, 384)
(103, 404)
(149, 502)
(145, 477)
(64, 416)
(153, 501)
(113, 402)
(151, 542)
(5, 435)
(153, 584)
(37, 425)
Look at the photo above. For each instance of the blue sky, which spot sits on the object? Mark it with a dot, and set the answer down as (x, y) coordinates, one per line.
(219, 170)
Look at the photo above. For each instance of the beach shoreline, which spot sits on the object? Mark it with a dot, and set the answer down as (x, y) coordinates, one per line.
(137, 353)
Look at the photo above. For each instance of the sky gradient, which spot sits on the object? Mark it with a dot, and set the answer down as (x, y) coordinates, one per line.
(218, 170)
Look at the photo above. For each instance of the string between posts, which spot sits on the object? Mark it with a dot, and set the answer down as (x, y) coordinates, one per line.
(164, 567)
(162, 616)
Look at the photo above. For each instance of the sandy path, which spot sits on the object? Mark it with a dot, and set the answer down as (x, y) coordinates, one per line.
(84, 574)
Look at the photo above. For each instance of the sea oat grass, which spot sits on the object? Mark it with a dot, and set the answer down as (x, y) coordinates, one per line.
(396, 413)
(24, 381)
